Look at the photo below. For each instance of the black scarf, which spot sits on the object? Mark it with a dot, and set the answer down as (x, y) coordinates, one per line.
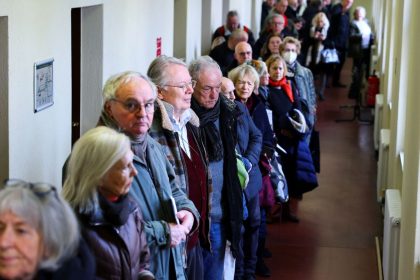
(117, 212)
(211, 136)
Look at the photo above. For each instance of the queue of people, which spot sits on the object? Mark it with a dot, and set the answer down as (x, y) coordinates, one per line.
(175, 180)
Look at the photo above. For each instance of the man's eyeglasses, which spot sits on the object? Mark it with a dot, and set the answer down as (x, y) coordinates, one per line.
(184, 86)
(208, 89)
(133, 106)
(247, 53)
(41, 190)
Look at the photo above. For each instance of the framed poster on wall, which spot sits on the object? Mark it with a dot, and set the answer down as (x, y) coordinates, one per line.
(43, 85)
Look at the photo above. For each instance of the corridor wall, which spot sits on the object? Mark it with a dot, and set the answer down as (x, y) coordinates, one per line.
(399, 67)
(37, 30)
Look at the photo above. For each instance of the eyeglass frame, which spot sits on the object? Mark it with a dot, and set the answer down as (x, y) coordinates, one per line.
(136, 109)
(34, 187)
(207, 89)
(184, 86)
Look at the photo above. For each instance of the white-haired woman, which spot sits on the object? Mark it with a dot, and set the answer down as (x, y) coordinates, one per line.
(39, 235)
(99, 176)
(254, 236)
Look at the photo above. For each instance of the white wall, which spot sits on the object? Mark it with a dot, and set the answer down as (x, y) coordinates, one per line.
(193, 40)
(39, 143)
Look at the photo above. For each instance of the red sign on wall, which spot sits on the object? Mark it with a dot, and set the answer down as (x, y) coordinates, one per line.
(158, 46)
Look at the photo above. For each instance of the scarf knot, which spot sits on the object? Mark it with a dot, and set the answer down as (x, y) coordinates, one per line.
(284, 85)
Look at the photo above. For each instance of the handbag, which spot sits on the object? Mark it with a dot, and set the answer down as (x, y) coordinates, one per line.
(329, 56)
(277, 178)
(266, 193)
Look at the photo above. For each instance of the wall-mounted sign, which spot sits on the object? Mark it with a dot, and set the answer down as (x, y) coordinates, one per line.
(43, 85)
(158, 46)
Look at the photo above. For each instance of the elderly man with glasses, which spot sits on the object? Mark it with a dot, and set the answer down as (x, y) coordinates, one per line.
(218, 127)
(176, 127)
(128, 106)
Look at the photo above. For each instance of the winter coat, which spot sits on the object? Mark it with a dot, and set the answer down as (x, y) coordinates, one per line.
(81, 266)
(250, 145)
(162, 131)
(223, 56)
(304, 82)
(121, 251)
(231, 191)
(305, 170)
(258, 112)
(223, 31)
(152, 188)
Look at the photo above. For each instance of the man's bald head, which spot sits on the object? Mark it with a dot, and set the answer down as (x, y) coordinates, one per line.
(236, 37)
(243, 52)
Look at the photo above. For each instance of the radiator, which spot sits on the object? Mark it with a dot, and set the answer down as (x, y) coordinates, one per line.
(381, 180)
(379, 103)
(391, 242)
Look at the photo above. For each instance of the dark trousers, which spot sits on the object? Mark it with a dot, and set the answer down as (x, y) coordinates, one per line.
(247, 257)
(342, 53)
(195, 263)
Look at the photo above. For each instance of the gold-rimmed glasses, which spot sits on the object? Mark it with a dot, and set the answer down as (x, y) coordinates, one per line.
(184, 86)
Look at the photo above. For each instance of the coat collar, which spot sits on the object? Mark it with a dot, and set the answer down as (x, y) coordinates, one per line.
(166, 121)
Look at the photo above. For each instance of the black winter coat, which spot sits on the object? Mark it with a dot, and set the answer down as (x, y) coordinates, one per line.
(80, 267)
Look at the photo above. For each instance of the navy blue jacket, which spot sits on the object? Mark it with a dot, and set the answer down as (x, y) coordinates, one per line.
(249, 144)
(339, 30)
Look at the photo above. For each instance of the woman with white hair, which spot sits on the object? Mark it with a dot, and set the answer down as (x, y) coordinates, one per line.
(361, 40)
(99, 176)
(39, 235)
(247, 80)
(250, 143)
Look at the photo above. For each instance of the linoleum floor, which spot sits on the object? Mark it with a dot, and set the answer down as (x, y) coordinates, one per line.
(335, 239)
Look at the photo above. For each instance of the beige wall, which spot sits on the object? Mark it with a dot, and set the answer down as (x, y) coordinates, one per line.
(399, 51)
(37, 30)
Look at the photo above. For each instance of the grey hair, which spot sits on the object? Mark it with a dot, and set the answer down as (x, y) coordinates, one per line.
(244, 69)
(232, 13)
(238, 35)
(114, 82)
(269, 20)
(50, 216)
(156, 71)
(92, 156)
(201, 63)
(361, 9)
